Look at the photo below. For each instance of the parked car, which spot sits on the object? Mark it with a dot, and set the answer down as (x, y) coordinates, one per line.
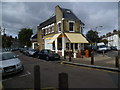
(108, 48)
(91, 47)
(113, 48)
(102, 48)
(10, 63)
(31, 52)
(48, 55)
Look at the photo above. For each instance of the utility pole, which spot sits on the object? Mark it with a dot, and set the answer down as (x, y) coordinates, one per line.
(2, 30)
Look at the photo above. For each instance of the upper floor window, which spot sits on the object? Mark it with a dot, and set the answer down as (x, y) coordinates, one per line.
(81, 29)
(59, 27)
(43, 32)
(48, 30)
(71, 26)
(52, 29)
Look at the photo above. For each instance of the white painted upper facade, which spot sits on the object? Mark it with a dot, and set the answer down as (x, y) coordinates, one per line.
(113, 40)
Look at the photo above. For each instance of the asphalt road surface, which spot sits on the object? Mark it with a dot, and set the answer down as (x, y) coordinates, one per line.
(112, 53)
(78, 77)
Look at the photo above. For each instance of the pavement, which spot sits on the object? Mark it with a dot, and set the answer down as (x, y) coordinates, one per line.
(100, 62)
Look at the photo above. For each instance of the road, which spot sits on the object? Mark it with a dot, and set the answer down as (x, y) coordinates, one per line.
(79, 77)
(112, 53)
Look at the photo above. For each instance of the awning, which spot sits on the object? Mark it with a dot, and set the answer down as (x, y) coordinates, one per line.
(54, 38)
(76, 38)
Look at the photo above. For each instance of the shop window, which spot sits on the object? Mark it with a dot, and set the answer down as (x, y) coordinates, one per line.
(76, 46)
(67, 46)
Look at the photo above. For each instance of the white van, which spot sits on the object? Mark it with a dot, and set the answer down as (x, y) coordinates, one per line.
(101, 47)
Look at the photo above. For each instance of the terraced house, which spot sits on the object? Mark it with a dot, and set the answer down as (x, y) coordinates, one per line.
(62, 32)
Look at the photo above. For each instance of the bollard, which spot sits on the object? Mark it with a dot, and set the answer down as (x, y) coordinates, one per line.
(103, 53)
(63, 81)
(92, 58)
(74, 55)
(116, 61)
(37, 84)
(118, 53)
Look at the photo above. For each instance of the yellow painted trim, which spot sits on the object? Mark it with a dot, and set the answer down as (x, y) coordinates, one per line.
(48, 38)
(62, 35)
(49, 35)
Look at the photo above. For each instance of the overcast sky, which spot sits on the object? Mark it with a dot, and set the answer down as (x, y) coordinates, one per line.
(29, 14)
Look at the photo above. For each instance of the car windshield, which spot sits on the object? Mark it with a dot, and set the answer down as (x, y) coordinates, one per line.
(6, 56)
(102, 46)
(48, 51)
(32, 50)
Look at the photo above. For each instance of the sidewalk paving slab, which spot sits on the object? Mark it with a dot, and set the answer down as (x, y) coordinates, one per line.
(101, 62)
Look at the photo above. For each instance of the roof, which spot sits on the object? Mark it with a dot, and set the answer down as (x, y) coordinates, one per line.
(35, 36)
(68, 14)
(48, 22)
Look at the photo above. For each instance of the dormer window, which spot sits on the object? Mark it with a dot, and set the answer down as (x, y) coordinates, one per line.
(68, 11)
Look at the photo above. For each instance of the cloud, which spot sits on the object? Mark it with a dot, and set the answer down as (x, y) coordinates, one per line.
(18, 15)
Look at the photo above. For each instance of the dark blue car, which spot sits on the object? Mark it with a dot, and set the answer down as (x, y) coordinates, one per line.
(48, 55)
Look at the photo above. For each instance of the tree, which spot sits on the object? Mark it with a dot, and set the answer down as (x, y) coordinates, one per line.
(6, 41)
(104, 40)
(92, 36)
(24, 37)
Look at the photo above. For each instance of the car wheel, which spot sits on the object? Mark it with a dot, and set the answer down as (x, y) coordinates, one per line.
(47, 58)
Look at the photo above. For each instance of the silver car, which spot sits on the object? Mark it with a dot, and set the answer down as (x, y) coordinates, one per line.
(9, 63)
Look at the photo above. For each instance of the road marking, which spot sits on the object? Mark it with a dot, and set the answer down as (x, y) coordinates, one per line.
(92, 68)
(47, 88)
(6, 79)
(28, 73)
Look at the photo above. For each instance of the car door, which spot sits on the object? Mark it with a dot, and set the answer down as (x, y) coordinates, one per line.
(40, 54)
(45, 54)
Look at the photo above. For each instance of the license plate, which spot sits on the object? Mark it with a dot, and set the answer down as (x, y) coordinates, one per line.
(10, 70)
(56, 57)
